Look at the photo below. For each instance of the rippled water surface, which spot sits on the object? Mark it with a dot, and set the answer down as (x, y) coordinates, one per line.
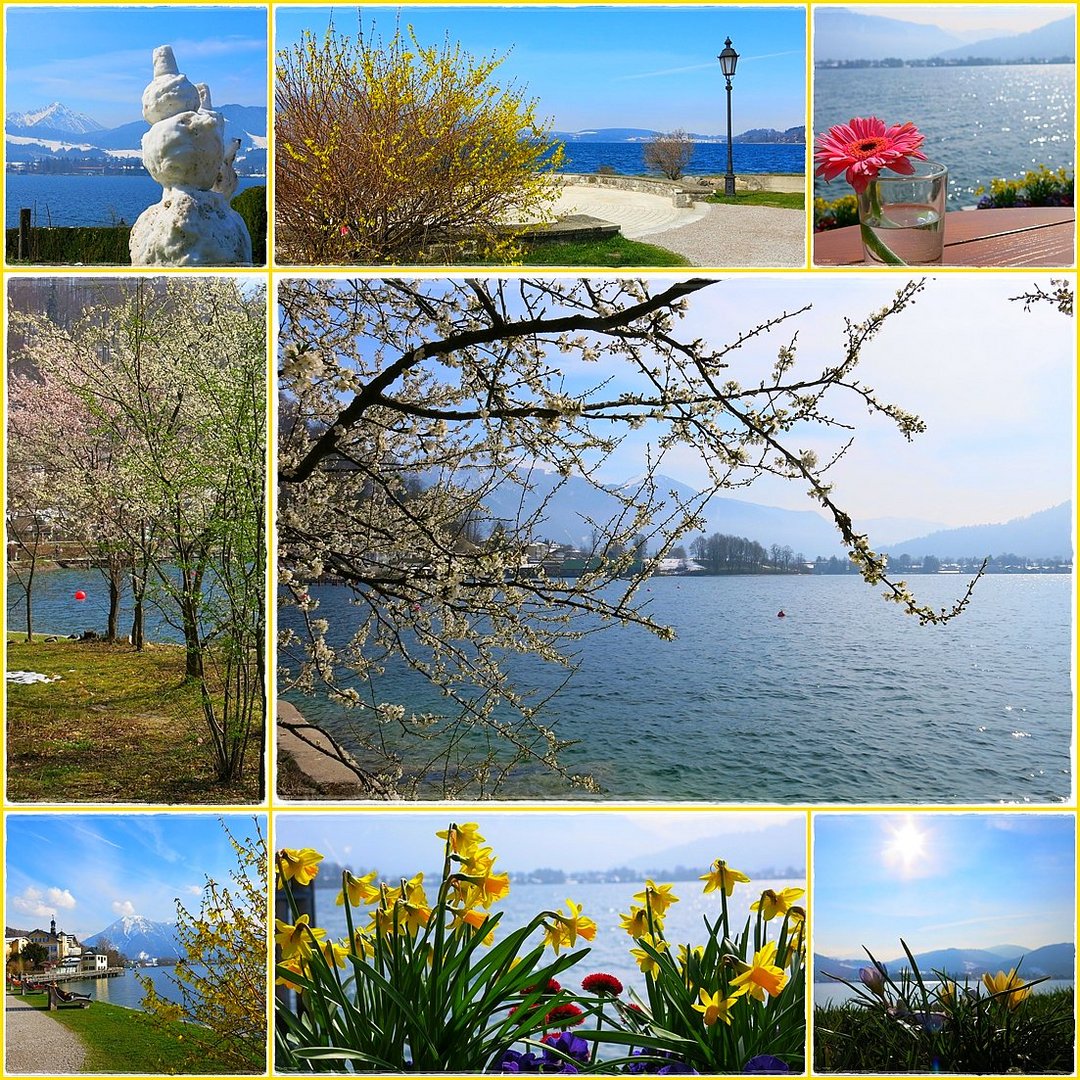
(981, 122)
(845, 700)
(600, 901)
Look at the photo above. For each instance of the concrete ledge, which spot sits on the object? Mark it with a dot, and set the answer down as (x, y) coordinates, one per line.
(571, 227)
(329, 771)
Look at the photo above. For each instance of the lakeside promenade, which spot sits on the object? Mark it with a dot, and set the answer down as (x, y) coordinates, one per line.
(38, 1043)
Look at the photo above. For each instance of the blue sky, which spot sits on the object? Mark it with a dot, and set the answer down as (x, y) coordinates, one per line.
(405, 842)
(992, 382)
(615, 66)
(98, 60)
(90, 869)
(941, 881)
(972, 19)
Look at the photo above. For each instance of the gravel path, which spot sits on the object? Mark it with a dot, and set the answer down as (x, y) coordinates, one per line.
(736, 236)
(637, 213)
(37, 1043)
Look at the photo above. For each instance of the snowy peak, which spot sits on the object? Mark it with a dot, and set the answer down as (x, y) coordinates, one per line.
(54, 117)
(136, 936)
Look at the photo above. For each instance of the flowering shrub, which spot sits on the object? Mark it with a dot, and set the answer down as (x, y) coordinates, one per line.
(835, 214)
(432, 985)
(1039, 187)
(912, 1023)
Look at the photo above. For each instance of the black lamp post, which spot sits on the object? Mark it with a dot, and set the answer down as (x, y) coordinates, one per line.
(728, 59)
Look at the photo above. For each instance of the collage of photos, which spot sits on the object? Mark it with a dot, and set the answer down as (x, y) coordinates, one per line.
(539, 539)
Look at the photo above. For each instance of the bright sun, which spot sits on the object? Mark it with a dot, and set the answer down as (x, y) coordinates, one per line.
(906, 843)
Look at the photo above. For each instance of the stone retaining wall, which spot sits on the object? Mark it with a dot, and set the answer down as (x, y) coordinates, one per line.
(684, 191)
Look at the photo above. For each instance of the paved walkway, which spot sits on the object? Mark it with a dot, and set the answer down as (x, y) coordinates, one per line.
(38, 1043)
(637, 213)
(708, 234)
(735, 236)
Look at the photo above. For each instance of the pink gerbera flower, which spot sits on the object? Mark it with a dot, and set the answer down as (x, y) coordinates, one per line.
(863, 147)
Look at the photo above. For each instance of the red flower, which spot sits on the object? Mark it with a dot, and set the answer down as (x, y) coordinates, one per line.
(863, 147)
(550, 987)
(602, 983)
(344, 230)
(568, 1015)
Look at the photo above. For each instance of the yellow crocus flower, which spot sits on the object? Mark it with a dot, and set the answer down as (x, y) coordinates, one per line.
(1000, 983)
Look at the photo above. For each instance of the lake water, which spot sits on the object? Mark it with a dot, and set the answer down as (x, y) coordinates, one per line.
(56, 611)
(708, 158)
(87, 200)
(846, 700)
(981, 122)
(601, 902)
(834, 993)
(125, 989)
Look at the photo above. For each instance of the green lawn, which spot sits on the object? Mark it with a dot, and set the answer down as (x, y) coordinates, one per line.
(785, 200)
(611, 251)
(118, 726)
(119, 1040)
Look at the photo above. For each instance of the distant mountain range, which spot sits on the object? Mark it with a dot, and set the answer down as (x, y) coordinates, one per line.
(55, 132)
(1055, 961)
(841, 34)
(138, 938)
(1045, 535)
(610, 135)
(570, 510)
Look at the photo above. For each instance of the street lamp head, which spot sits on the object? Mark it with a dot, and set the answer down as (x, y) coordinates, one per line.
(728, 59)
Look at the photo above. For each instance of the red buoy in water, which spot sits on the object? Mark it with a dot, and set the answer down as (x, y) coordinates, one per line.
(80, 595)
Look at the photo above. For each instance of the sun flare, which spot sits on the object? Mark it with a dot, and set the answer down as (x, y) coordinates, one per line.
(906, 844)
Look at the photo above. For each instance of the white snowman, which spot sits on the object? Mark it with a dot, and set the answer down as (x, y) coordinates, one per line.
(184, 151)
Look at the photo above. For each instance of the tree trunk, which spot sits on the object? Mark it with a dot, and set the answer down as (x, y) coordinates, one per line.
(113, 628)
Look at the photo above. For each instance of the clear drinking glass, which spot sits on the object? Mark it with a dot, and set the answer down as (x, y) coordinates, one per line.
(902, 218)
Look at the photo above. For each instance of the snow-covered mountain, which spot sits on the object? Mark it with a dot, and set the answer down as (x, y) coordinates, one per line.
(57, 132)
(136, 936)
(54, 117)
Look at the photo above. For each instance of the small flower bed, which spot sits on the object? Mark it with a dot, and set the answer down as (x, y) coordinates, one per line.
(1039, 187)
(914, 1023)
(438, 985)
(835, 214)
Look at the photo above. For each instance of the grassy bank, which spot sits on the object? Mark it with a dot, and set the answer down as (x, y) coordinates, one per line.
(784, 200)
(1040, 1038)
(117, 726)
(610, 251)
(119, 1040)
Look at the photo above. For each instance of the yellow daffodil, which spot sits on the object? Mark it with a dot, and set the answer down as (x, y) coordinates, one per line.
(774, 903)
(713, 1007)
(636, 924)
(566, 929)
(360, 890)
(657, 897)
(362, 945)
(1000, 983)
(724, 877)
(333, 953)
(295, 966)
(475, 919)
(296, 939)
(483, 888)
(947, 992)
(463, 838)
(646, 962)
(762, 976)
(685, 952)
(300, 866)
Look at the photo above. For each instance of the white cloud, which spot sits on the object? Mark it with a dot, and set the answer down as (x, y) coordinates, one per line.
(35, 902)
(193, 890)
(123, 907)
